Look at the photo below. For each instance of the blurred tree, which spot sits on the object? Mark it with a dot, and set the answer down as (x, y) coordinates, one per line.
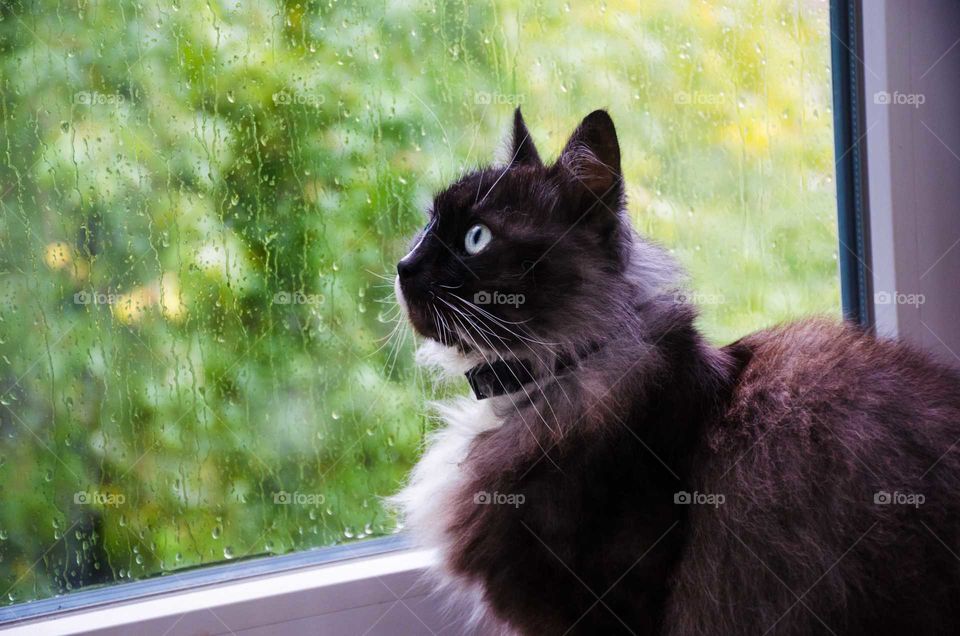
(202, 203)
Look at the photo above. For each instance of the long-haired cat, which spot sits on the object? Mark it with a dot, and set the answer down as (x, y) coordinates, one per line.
(613, 472)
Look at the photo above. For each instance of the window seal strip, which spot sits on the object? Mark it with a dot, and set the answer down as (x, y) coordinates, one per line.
(847, 66)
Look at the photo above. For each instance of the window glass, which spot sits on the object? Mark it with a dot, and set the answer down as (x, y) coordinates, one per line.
(201, 205)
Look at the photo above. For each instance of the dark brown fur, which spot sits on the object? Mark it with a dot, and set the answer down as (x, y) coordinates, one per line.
(798, 427)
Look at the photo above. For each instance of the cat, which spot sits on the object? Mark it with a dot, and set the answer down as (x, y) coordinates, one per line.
(614, 472)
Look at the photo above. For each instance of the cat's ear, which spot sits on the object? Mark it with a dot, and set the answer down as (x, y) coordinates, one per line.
(592, 156)
(522, 150)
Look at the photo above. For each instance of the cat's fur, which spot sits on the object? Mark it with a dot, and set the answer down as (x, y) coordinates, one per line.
(797, 428)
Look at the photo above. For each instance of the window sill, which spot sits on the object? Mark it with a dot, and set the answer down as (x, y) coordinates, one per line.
(381, 592)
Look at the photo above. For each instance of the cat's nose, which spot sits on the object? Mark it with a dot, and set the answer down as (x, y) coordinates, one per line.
(408, 267)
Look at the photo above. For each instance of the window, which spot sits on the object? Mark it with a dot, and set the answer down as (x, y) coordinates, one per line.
(202, 204)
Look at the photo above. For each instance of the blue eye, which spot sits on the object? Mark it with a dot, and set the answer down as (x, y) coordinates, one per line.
(477, 238)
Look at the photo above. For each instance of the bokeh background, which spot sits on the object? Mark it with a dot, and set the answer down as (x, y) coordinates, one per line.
(201, 205)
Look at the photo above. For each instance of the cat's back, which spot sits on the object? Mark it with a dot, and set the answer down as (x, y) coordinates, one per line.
(838, 464)
(818, 367)
(817, 399)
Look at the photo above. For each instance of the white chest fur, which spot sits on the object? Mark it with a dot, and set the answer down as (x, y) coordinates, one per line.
(437, 477)
(427, 501)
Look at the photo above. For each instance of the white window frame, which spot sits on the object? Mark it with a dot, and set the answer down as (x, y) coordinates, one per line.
(913, 155)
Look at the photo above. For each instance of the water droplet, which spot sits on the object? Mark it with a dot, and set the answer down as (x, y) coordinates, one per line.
(228, 552)
(64, 126)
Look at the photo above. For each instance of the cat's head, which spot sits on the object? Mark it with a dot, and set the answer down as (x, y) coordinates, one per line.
(528, 254)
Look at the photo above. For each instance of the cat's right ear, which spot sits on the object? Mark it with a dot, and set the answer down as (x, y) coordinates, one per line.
(592, 156)
(523, 152)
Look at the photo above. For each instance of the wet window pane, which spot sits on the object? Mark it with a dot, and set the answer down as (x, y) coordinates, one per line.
(200, 208)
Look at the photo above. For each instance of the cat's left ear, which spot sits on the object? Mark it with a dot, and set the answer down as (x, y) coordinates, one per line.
(523, 151)
(592, 156)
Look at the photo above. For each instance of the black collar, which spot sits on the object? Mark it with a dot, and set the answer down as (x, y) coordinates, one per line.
(490, 379)
(499, 378)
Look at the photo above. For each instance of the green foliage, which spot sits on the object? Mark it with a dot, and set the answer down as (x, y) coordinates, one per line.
(200, 202)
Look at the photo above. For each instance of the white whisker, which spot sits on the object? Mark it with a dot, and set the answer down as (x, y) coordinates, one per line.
(549, 368)
(498, 355)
